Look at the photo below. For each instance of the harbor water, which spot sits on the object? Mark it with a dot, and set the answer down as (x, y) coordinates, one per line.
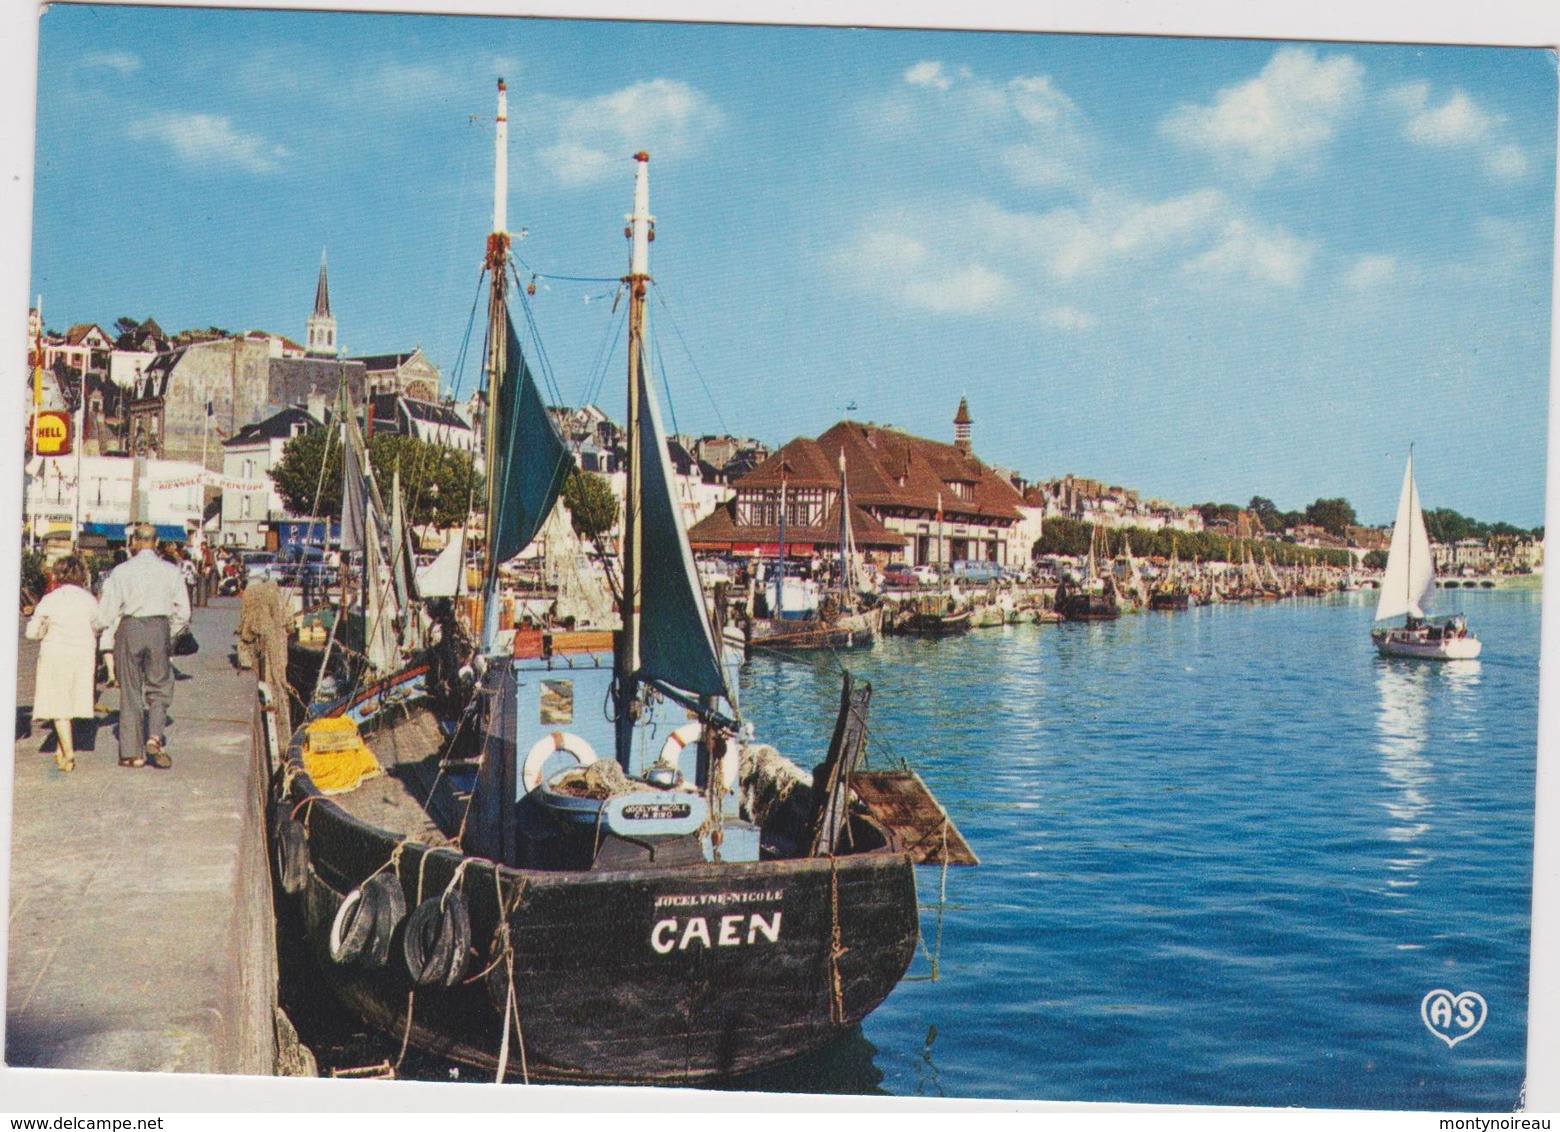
(1225, 854)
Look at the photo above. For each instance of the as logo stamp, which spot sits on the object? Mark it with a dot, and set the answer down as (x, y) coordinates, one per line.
(1453, 1017)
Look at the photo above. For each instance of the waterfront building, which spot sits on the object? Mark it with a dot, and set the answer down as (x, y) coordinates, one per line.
(172, 495)
(914, 499)
(192, 398)
(409, 375)
(251, 505)
(84, 349)
(397, 415)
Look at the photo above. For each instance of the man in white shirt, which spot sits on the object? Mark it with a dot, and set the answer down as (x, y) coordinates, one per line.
(147, 600)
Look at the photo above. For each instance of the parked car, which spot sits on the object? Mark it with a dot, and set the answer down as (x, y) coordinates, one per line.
(259, 566)
(307, 566)
(978, 571)
(898, 575)
(926, 575)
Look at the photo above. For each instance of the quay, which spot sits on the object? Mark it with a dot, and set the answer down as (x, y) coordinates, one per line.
(141, 928)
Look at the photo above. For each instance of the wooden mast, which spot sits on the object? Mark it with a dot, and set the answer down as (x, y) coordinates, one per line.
(497, 265)
(640, 230)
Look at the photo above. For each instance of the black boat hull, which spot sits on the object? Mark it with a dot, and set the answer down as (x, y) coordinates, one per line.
(1089, 607)
(665, 976)
(653, 975)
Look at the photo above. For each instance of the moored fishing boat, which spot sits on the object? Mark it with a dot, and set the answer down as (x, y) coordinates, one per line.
(688, 904)
(1408, 590)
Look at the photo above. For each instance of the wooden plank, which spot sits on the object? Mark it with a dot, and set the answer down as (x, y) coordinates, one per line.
(901, 801)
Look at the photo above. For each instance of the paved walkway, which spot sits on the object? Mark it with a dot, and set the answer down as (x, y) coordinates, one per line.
(140, 917)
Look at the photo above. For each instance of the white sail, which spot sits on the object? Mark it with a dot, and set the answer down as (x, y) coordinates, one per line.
(1409, 584)
(445, 576)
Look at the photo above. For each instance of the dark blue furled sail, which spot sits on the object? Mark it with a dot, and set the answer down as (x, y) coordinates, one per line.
(530, 462)
(676, 644)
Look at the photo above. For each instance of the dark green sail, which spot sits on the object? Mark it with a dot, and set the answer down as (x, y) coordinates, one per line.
(676, 643)
(530, 461)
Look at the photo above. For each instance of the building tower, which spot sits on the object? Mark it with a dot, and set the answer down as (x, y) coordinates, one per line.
(322, 328)
(961, 426)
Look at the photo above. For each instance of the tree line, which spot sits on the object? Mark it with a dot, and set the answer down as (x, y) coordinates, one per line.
(1336, 516)
(438, 484)
(1072, 537)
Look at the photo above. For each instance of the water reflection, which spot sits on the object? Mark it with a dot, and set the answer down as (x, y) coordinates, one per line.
(1402, 730)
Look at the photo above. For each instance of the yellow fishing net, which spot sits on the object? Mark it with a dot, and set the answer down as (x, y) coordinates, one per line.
(335, 757)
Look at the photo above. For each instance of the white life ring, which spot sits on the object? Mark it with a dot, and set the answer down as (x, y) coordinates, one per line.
(536, 758)
(690, 733)
(672, 749)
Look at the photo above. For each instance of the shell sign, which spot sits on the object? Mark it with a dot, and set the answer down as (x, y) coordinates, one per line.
(51, 433)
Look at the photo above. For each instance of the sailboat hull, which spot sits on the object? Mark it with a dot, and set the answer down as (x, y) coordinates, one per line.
(1400, 643)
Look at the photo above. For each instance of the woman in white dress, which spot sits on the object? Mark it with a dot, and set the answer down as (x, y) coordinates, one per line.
(65, 686)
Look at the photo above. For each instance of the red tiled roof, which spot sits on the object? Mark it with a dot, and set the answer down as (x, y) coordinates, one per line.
(722, 529)
(889, 468)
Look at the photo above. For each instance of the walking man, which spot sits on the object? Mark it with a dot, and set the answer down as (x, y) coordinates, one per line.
(146, 598)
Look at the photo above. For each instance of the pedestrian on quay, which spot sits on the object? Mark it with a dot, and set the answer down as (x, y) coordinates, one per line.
(65, 681)
(148, 598)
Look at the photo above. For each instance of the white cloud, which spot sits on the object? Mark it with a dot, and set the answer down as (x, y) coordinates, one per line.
(973, 289)
(928, 73)
(204, 139)
(980, 257)
(1025, 126)
(1506, 162)
(1282, 116)
(1457, 121)
(1371, 271)
(1247, 253)
(1067, 318)
(665, 117)
(122, 62)
(1106, 230)
(945, 280)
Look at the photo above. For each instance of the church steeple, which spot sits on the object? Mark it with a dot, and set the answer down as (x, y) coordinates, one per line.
(322, 327)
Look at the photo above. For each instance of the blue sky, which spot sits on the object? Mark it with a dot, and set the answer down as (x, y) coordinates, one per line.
(1205, 269)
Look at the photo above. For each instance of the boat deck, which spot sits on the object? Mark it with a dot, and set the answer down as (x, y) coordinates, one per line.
(411, 798)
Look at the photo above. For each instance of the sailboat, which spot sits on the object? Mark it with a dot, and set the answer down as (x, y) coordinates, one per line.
(1094, 599)
(940, 614)
(1171, 592)
(1408, 589)
(802, 614)
(549, 891)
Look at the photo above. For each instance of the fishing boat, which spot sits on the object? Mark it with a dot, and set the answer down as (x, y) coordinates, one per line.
(1172, 592)
(685, 905)
(1093, 598)
(797, 614)
(1408, 589)
(932, 615)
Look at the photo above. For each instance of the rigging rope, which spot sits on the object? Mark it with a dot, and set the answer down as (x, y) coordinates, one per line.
(661, 295)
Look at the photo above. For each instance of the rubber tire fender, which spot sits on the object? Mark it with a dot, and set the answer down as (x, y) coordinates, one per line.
(350, 928)
(292, 855)
(389, 903)
(363, 925)
(436, 940)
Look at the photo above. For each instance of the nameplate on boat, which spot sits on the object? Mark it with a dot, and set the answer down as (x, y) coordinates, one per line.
(655, 815)
(657, 812)
(706, 920)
